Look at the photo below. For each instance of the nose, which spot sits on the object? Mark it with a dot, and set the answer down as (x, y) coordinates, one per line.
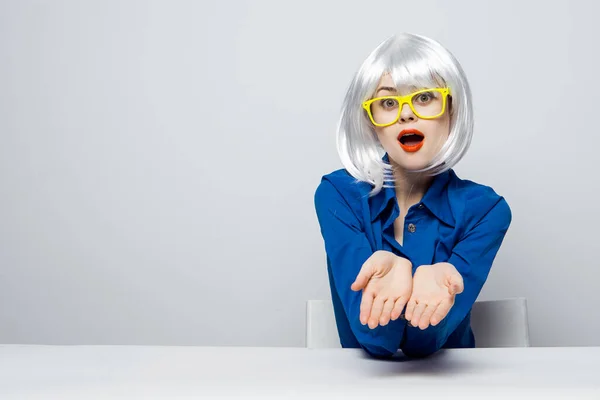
(406, 114)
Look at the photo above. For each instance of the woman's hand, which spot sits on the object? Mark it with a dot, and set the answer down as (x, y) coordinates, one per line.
(434, 289)
(386, 281)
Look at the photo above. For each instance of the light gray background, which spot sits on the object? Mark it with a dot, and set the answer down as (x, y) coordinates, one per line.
(159, 160)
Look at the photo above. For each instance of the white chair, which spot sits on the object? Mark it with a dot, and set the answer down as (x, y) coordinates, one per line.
(321, 330)
(500, 323)
(495, 323)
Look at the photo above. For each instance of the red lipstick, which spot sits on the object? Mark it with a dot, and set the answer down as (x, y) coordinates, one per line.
(411, 140)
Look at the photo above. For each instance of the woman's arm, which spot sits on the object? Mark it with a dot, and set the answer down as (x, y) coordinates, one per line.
(472, 258)
(347, 248)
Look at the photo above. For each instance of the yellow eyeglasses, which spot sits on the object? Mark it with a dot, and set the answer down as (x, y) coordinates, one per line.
(425, 104)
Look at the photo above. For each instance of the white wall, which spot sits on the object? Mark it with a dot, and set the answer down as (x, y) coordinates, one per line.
(158, 160)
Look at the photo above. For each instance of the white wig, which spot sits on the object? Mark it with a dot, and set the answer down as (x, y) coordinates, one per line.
(412, 61)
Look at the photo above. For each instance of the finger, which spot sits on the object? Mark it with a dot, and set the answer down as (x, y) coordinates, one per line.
(410, 308)
(376, 312)
(456, 285)
(365, 307)
(426, 316)
(398, 306)
(440, 312)
(365, 273)
(388, 306)
(416, 317)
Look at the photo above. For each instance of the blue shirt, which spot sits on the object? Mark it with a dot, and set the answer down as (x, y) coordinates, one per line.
(457, 221)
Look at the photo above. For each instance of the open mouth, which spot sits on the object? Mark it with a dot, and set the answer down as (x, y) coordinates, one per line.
(411, 140)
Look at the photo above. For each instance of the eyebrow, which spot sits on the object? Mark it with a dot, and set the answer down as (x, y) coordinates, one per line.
(389, 89)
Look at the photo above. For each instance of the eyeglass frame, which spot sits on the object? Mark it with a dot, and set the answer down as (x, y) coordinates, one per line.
(407, 99)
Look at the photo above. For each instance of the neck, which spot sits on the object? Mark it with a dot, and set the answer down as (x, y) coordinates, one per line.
(410, 187)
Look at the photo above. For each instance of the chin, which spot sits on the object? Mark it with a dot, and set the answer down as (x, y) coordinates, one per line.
(414, 167)
(410, 161)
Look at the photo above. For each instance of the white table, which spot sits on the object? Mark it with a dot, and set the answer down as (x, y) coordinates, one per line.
(147, 372)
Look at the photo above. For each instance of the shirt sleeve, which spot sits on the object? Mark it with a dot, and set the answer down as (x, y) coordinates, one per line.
(473, 256)
(347, 248)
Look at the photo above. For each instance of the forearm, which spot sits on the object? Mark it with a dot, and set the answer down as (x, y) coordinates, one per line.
(379, 341)
(471, 284)
(434, 296)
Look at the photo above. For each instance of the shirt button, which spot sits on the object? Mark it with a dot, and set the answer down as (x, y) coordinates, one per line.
(412, 228)
(421, 206)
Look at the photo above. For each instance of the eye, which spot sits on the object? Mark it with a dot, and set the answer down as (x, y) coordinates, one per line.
(424, 97)
(388, 103)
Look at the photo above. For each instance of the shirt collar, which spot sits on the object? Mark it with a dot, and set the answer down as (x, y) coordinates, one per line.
(435, 199)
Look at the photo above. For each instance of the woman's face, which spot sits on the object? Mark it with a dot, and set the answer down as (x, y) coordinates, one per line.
(411, 142)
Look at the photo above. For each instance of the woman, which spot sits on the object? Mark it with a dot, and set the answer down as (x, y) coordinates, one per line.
(402, 231)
